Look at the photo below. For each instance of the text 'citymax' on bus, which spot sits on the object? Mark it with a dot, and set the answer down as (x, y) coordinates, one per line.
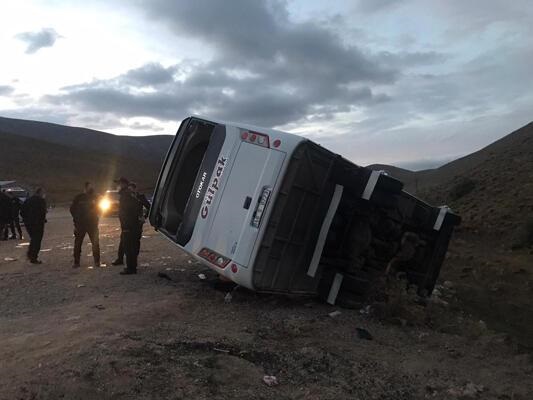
(275, 212)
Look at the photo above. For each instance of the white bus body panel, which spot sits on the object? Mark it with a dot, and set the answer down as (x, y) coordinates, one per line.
(227, 228)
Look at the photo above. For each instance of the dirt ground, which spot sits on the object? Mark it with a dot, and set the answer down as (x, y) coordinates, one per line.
(91, 333)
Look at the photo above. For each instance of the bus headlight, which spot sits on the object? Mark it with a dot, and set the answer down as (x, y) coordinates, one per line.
(104, 205)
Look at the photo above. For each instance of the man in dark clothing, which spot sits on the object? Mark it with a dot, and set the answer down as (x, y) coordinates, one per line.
(34, 216)
(84, 211)
(145, 208)
(14, 223)
(129, 212)
(5, 213)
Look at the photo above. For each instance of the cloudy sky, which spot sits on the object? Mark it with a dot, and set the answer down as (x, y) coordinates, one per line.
(410, 82)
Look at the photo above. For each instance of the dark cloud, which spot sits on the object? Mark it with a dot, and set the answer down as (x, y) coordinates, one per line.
(6, 90)
(262, 99)
(151, 74)
(258, 35)
(266, 69)
(46, 37)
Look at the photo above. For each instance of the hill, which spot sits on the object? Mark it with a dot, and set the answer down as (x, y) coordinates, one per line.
(149, 148)
(61, 170)
(492, 188)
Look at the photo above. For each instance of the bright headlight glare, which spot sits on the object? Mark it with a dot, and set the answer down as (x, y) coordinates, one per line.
(104, 205)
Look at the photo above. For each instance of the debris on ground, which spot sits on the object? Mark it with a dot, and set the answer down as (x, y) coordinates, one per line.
(145, 264)
(9, 259)
(99, 307)
(270, 380)
(364, 334)
(202, 277)
(220, 350)
(367, 310)
(81, 285)
(334, 314)
(228, 298)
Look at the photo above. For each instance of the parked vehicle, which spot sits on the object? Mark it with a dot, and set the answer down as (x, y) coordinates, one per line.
(108, 203)
(275, 212)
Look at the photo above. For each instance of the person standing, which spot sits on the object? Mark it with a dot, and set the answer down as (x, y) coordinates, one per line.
(145, 208)
(84, 211)
(14, 223)
(5, 213)
(129, 210)
(33, 213)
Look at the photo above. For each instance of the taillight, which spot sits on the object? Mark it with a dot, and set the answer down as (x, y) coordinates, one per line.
(259, 139)
(214, 258)
(261, 206)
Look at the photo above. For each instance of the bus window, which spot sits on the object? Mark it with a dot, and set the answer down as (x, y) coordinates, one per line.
(197, 149)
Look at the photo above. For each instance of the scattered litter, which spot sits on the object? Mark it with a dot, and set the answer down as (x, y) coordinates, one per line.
(448, 284)
(220, 350)
(335, 314)
(146, 237)
(90, 267)
(109, 245)
(364, 334)
(145, 265)
(169, 269)
(10, 259)
(164, 276)
(270, 380)
(202, 277)
(23, 244)
(103, 265)
(67, 248)
(228, 298)
(189, 262)
(99, 307)
(45, 250)
(367, 310)
(165, 258)
(81, 285)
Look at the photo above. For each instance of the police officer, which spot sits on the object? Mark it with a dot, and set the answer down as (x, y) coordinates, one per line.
(14, 222)
(145, 208)
(5, 213)
(84, 211)
(129, 212)
(33, 213)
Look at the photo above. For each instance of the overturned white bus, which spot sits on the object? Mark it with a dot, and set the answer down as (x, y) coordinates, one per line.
(275, 212)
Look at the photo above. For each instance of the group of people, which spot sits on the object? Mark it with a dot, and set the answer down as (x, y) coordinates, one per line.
(132, 212)
(33, 212)
(10, 207)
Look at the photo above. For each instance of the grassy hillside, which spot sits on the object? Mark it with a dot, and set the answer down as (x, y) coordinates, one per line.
(61, 170)
(492, 189)
(148, 148)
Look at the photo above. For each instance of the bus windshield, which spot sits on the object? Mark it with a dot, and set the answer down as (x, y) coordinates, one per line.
(189, 165)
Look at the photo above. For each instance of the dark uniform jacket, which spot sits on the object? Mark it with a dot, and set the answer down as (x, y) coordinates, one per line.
(16, 204)
(145, 209)
(34, 211)
(84, 210)
(130, 211)
(5, 209)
